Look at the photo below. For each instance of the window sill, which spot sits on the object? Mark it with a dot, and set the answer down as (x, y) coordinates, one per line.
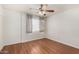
(36, 33)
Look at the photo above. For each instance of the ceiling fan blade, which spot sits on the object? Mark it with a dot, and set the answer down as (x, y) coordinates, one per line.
(50, 10)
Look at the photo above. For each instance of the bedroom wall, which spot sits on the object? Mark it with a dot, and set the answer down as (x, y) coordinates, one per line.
(15, 28)
(12, 27)
(64, 27)
(1, 27)
(1, 34)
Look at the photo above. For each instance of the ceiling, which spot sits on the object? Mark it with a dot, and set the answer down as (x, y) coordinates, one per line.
(26, 7)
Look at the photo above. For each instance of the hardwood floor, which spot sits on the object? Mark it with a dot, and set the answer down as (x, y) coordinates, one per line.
(40, 46)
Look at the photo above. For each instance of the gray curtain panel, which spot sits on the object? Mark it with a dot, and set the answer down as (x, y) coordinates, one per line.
(29, 23)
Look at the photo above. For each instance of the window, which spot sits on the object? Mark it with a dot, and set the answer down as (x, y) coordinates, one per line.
(35, 24)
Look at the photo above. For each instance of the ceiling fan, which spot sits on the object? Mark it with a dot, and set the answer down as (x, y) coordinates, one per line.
(43, 9)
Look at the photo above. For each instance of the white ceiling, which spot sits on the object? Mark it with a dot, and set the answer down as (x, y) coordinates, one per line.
(26, 7)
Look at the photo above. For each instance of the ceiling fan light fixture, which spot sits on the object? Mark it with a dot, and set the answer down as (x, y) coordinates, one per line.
(43, 13)
(40, 13)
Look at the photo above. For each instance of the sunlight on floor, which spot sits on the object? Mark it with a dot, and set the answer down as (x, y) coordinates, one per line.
(36, 50)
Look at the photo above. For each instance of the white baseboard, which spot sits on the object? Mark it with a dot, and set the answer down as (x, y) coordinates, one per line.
(55, 39)
(66, 43)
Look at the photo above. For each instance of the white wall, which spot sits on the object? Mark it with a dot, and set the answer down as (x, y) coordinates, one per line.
(1, 27)
(15, 28)
(64, 27)
(12, 27)
(1, 34)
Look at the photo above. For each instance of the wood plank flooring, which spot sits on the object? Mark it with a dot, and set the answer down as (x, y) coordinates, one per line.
(40, 46)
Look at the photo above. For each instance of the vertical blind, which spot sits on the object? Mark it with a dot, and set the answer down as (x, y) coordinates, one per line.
(35, 24)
